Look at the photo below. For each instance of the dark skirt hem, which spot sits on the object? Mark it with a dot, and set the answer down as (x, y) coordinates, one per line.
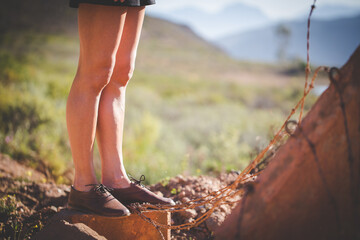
(127, 3)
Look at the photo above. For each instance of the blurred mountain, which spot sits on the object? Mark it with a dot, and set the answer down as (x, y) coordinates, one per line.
(238, 17)
(333, 11)
(162, 41)
(331, 41)
(210, 25)
(56, 16)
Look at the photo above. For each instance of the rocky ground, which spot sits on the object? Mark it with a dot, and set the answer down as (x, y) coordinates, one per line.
(183, 189)
(27, 201)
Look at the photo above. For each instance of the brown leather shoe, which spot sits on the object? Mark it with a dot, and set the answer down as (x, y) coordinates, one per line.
(98, 201)
(137, 193)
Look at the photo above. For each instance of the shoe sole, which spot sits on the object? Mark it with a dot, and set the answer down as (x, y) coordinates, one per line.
(87, 211)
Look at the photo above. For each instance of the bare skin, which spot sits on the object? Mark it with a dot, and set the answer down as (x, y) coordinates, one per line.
(112, 103)
(109, 37)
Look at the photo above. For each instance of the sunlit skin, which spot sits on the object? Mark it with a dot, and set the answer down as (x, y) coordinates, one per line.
(109, 37)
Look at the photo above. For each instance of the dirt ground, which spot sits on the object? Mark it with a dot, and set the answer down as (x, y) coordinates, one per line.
(28, 201)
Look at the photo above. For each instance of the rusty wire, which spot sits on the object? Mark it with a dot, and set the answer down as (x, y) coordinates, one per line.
(307, 69)
(223, 195)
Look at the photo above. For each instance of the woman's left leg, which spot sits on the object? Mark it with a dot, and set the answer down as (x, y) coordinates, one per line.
(112, 103)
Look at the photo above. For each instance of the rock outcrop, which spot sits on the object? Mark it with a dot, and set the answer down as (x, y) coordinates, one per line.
(311, 189)
(71, 224)
(63, 230)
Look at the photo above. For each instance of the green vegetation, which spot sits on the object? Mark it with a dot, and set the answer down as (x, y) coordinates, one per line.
(33, 90)
(9, 226)
(12, 226)
(7, 206)
(190, 109)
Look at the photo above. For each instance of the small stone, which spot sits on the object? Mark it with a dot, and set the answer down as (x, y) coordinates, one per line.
(188, 213)
(189, 220)
(198, 208)
(202, 210)
(53, 208)
(189, 191)
(180, 178)
(185, 199)
(215, 220)
(224, 208)
(182, 194)
(208, 206)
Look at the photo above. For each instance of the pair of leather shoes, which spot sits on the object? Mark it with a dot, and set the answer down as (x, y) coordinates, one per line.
(110, 202)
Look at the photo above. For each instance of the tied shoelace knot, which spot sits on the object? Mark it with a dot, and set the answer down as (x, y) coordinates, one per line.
(100, 188)
(138, 182)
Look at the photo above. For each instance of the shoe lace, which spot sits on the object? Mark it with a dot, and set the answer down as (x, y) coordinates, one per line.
(100, 188)
(138, 182)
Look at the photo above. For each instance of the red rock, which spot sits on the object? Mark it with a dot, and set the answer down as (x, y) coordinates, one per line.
(311, 189)
(59, 230)
(112, 228)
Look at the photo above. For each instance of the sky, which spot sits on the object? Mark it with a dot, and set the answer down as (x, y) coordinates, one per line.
(274, 9)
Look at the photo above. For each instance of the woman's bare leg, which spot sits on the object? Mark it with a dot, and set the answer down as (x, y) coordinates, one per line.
(100, 29)
(112, 103)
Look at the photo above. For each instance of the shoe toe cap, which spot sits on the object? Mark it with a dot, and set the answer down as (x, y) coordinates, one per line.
(169, 201)
(116, 212)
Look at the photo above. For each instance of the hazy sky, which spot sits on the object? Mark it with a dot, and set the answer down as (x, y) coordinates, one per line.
(276, 9)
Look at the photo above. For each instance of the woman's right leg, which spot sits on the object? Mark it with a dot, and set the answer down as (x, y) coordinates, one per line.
(100, 29)
(112, 104)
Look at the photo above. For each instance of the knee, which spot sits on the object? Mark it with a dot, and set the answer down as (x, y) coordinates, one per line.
(123, 72)
(94, 76)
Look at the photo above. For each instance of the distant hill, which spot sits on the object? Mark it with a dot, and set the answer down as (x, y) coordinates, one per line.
(332, 41)
(332, 11)
(233, 18)
(56, 16)
(37, 15)
(238, 17)
(175, 47)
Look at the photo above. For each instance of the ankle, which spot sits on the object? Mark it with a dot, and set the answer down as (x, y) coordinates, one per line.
(83, 188)
(84, 185)
(122, 182)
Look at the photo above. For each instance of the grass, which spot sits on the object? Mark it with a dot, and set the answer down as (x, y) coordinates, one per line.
(11, 224)
(190, 109)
